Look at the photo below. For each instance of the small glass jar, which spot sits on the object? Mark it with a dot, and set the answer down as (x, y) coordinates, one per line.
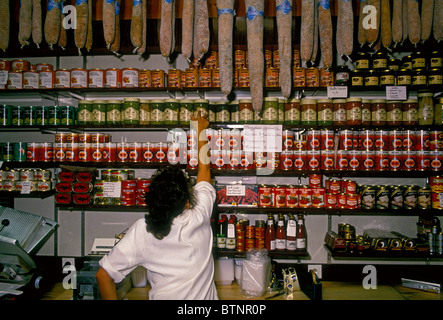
(84, 112)
(394, 113)
(387, 78)
(131, 111)
(325, 112)
(270, 111)
(380, 60)
(407, 62)
(366, 112)
(353, 111)
(201, 105)
(435, 60)
(435, 78)
(211, 111)
(292, 112)
(418, 60)
(281, 111)
(410, 112)
(235, 111)
(404, 77)
(98, 112)
(419, 79)
(246, 111)
(171, 112)
(113, 112)
(363, 61)
(339, 109)
(394, 64)
(157, 109)
(222, 114)
(438, 112)
(186, 110)
(357, 79)
(379, 112)
(342, 76)
(145, 112)
(372, 79)
(308, 111)
(425, 108)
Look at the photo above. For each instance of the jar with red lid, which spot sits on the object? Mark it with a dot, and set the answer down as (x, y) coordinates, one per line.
(339, 112)
(394, 111)
(379, 112)
(353, 111)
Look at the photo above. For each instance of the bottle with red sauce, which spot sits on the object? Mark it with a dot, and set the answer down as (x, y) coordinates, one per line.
(280, 237)
(270, 234)
(291, 234)
(301, 234)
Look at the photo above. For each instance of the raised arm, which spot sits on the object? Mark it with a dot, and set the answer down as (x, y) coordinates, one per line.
(204, 165)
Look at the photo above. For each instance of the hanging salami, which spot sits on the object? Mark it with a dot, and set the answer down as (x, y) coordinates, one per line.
(225, 12)
(187, 28)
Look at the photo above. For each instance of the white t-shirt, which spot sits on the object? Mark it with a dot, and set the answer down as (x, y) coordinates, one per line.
(180, 266)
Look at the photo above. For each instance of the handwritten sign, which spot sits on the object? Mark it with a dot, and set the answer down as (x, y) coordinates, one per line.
(235, 190)
(337, 92)
(262, 138)
(112, 189)
(396, 93)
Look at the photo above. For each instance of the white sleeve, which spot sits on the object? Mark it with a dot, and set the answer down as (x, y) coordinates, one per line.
(205, 197)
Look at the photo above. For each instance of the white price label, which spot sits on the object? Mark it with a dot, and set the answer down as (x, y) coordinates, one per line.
(337, 92)
(262, 138)
(396, 93)
(235, 190)
(112, 189)
(26, 187)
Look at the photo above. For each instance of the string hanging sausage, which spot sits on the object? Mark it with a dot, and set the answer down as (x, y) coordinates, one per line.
(373, 32)
(225, 12)
(109, 21)
(187, 28)
(201, 29)
(63, 38)
(80, 33)
(414, 24)
(37, 27)
(307, 30)
(142, 49)
(115, 46)
(397, 21)
(427, 14)
(438, 21)
(166, 28)
(5, 20)
(386, 35)
(315, 37)
(361, 28)
(25, 22)
(325, 32)
(52, 23)
(284, 28)
(89, 34)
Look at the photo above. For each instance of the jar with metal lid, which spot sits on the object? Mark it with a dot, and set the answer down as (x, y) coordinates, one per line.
(353, 111)
(419, 79)
(131, 111)
(292, 112)
(157, 111)
(339, 110)
(365, 112)
(308, 111)
(113, 112)
(234, 110)
(246, 111)
(394, 64)
(394, 113)
(98, 112)
(270, 110)
(406, 62)
(211, 112)
(380, 60)
(84, 112)
(201, 105)
(342, 76)
(438, 112)
(435, 78)
(418, 60)
(372, 79)
(222, 114)
(410, 112)
(425, 108)
(404, 77)
(387, 78)
(145, 112)
(357, 78)
(325, 112)
(378, 112)
(186, 110)
(363, 61)
(170, 111)
(436, 60)
(281, 110)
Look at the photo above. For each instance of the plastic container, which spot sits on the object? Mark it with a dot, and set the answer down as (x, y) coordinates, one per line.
(224, 271)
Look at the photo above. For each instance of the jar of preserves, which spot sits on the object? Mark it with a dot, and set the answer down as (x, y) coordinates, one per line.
(363, 61)
(342, 76)
(419, 79)
(339, 109)
(435, 60)
(211, 111)
(372, 79)
(222, 114)
(131, 111)
(186, 110)
(281, 110)
(145, 112)
(324, 112)
(353, 111)
(113, 112)
(246, 111)
(407, 62)
(365, 112)
(425, 108)
(394, 64)
(170, 111)
(404, 77)
(387, 78)
(435, 78)
(418, 60)
(84, 115)
(380, 60)
(201, 105)
(410, 112)
(270, 110)
(394, 113)
(378, 112)
(157, 109)
(357, 78)
(438, 112)
(308, 111)
(234, 110)
(98, 112)
(292, 112)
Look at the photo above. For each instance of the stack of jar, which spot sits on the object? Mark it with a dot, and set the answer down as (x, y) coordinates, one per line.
(14, 180)
(74, 187)
(38, 115)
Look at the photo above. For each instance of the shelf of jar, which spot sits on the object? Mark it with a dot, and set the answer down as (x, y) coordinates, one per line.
(331, 211)
(285, 254)
(369, 254)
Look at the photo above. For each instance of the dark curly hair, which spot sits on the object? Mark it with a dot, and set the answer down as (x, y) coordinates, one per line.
(168, 194)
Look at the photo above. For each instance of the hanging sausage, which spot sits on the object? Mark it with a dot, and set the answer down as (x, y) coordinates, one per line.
(225, 12)
(438, 20)
(115, 46)
(142, 48)
(427, 14)
(345, 28)
(52, 23)
(37, 26)
(167, 23)
(25, 22)
(89, 35)
(284, 27)
(81, 32)
(361, 27)
(136, 24)
(201, 29)
(109, 21)
(5, 20)
(187, 28)
(397, 21)
(307, 30)
(414, 22)
(325, 32)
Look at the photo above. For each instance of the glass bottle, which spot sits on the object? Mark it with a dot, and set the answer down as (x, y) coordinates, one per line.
(301, 234)
(270, 234)
(291, 234)
(280, 237)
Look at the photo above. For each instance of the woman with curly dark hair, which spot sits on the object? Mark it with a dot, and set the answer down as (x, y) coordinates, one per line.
(174, 240)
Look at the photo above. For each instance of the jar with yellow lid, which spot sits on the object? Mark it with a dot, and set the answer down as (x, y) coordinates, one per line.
(435, 78)
(131, 111)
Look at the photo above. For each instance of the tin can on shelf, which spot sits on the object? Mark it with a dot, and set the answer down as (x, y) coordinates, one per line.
(144, 78)
(158, 79)
(96, 78)
(79, 78)
(130, 78)
(30, 79)
(113, 78)
(62, 78)
(174, 78)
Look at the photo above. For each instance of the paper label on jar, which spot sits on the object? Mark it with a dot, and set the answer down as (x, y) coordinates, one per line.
(84, 115)
(170, 115)
(156, 115)
(366, 115)
(113, 115)
(292, 115)
(185, 114)
(30, 81)
(131, 114)
(98, 116)
(309, 115)
(223, 116)
(379, 115)
(145, 115)
(395, 115)
(410, 115)
(246, 115)
(325, 115)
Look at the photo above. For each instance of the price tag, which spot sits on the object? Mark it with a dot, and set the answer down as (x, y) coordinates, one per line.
(26, 187)
(262, 138)
(396, 93)
(112, 189)
(3, 77)
(337, 92)
(235, 190)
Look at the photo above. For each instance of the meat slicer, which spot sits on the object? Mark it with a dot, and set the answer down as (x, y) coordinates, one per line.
(22, 234)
